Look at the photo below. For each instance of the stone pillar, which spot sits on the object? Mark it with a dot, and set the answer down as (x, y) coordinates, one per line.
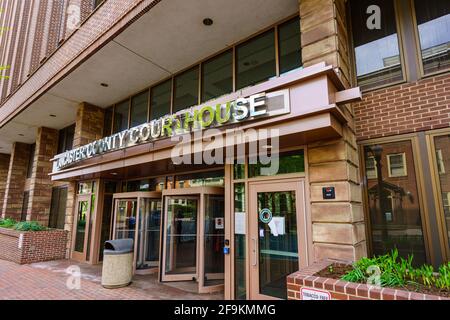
(88, 128)
(89, 125)
(40, 183)
(323, 27)
(338, 224)
(4, 167)
(15, 182)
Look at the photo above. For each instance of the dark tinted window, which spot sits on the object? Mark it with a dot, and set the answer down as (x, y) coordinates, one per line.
(139, 109)
(160, 100)
(186, 90)
(217, 76)
(289, 45)
(121, 116)
(107, 127)
(255, 60)
(58, 208)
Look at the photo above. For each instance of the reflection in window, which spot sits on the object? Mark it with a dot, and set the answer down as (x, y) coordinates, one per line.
(288, 162)
(58, 208)
(394, 204)
(377, 52)
(217, 76)
(160, 100)
(440, 161)
(371, 169)
(397, 165)
(185, 90)
(289, 45)
(433, 21)
(139, 106)
(442, 143)
(255, 60)
(107, 126)
(200, 179)
(121, 116)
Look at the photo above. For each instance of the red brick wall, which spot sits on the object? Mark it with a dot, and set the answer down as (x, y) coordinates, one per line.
(344, 290)
(410, 107)
(34, 246)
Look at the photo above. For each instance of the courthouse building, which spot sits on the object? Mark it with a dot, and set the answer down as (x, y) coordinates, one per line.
(358, 93)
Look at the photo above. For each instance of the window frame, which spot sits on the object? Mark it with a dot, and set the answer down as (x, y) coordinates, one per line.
(418, 47)
(400, 40)
(425, 214)
(389, 165)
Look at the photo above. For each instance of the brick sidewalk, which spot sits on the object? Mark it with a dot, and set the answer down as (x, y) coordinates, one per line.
(37, 282)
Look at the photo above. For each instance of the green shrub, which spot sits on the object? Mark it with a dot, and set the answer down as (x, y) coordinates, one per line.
(7, 223)
(398, 272)
(29, 226)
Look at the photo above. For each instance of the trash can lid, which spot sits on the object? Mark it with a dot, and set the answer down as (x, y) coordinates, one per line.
(118, 246)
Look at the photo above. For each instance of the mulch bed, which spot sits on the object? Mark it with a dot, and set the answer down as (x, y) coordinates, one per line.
(339, 270)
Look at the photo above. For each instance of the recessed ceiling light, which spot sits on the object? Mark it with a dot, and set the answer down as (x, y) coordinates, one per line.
(208, 21)
(104, 85)
(21, 134)
(53, 115)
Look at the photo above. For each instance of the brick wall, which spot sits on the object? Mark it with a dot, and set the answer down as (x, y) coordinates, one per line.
(336, 289)
(15, 183)
(410, 107)
(33, 247)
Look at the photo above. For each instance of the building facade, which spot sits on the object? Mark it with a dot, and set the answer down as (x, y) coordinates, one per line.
(101, 99)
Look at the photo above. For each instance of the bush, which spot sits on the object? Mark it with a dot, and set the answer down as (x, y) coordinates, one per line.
(7, 223)
(398, 272)
(21, 226)
(29, 226)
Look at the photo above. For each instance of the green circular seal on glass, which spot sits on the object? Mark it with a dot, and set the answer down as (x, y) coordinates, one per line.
(265, 215)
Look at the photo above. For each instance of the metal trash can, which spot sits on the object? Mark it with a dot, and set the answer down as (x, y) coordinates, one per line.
(117, 268)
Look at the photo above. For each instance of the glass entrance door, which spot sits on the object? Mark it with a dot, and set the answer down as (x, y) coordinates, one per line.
(138, 217)
(277, 237)
(148, 233)
(180, 241)
(81, 239)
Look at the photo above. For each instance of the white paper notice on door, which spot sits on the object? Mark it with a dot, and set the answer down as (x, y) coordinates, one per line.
(277, 226)
(239, 223)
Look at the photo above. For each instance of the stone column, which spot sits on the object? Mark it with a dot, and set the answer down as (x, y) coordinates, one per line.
(4, 167)
(89, 125)
(88, 128)
(15, 182)
(338, 228)
(323, 27)
(40, 182)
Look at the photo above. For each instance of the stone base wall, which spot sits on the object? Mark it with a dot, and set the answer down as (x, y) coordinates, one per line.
(304, 281)
(25, 247)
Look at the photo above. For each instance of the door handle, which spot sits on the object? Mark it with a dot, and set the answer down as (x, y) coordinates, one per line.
(254, 252)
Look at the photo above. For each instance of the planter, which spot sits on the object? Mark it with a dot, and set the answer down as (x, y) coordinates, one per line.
(305, 285)
(24, 247)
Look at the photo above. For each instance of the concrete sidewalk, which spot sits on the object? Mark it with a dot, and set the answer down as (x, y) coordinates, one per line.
(48, 281)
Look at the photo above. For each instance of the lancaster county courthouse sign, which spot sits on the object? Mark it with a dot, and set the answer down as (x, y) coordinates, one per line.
(257, 106)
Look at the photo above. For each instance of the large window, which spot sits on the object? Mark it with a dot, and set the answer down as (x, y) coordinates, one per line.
(31, 160)
(255, 60)
(289, 45)
(258, 59)
(433, 22)
(121, 116)
(185, 90)
(393, 201)
(160, 100)
(139, 109)
(377, 51)
(442, 144)
(217, 76)
(65, 140)
(58, 208)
